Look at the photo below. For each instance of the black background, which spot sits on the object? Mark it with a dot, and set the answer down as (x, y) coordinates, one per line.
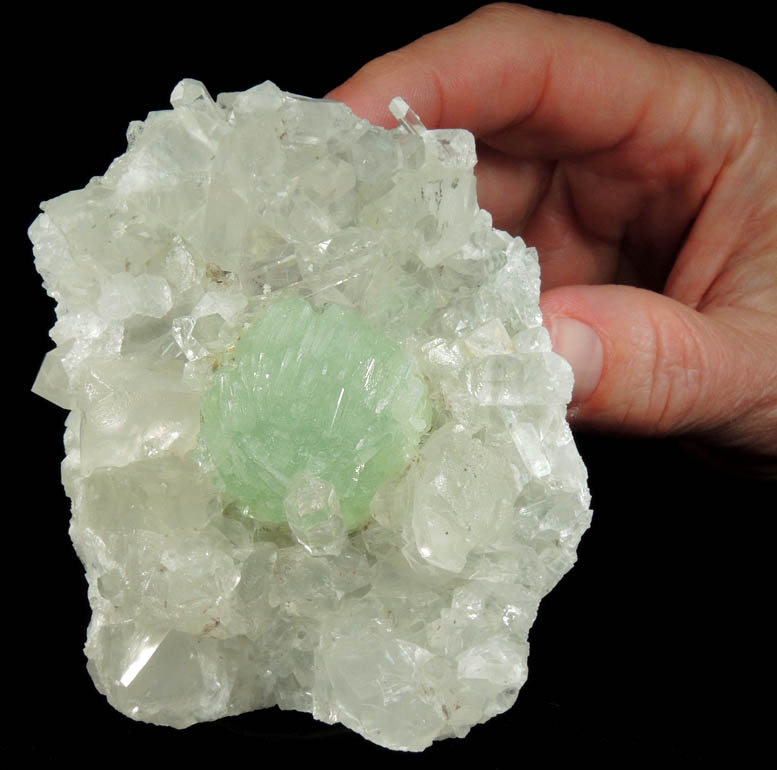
(652, 648)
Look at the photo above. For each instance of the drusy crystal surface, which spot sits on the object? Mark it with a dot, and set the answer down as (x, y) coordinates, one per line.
(317, 447)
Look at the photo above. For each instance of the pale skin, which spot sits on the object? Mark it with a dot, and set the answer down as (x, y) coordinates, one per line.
(647, 179)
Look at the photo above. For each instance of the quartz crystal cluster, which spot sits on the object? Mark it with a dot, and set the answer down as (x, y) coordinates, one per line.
(317, 447)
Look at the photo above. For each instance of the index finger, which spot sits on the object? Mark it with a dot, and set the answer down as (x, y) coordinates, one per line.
(560, 84)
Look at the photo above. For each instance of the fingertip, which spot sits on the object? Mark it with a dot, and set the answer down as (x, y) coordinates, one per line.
(581, 346)
(369, 91)
(363, 104)
(660, 369)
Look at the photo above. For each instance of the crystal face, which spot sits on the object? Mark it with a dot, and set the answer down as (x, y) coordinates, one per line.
(317, 448)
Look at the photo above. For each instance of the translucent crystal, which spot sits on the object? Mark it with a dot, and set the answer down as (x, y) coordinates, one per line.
(313, 512)
(401, 110)
(317, 448)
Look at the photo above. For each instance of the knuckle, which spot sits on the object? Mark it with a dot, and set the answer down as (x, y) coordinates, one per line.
(679, 395)
(669, 388)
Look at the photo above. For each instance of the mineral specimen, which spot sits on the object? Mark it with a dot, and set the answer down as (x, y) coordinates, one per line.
(317, 448)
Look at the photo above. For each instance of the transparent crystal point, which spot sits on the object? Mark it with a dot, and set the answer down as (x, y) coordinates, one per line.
(401, 110)
(313, 512)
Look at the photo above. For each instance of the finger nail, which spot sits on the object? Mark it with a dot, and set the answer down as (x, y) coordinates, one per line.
(582, 348)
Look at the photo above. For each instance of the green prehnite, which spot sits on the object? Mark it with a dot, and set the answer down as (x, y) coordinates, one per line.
(312, 394)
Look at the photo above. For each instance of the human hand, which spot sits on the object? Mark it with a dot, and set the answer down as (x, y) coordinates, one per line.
(623, 162)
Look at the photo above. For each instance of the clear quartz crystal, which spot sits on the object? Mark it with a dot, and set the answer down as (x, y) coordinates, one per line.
(317, 447)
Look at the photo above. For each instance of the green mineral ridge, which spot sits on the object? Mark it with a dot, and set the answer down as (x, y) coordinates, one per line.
(312, 394)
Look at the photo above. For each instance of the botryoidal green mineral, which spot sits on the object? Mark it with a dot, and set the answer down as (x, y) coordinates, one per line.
(316, 395)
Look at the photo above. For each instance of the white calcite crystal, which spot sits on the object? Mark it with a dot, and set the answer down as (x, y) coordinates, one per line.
(399, 604)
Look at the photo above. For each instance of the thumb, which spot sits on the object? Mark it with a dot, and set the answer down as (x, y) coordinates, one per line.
(645, 363)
